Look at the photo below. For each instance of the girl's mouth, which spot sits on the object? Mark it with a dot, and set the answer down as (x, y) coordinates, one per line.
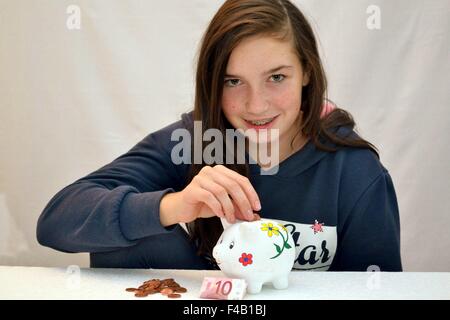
(260, 124)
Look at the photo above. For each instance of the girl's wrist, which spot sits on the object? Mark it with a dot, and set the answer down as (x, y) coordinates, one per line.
(168, 209)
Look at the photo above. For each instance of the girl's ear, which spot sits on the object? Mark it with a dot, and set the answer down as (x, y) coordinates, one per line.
(306, 73)
(305, 81)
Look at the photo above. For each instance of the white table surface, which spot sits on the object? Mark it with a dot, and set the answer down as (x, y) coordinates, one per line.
(105, 284)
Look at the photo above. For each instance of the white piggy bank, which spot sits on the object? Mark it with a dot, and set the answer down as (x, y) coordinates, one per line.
(260, 251)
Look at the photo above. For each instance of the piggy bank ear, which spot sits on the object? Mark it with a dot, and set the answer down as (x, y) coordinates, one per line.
(248, 231)
(225, 223)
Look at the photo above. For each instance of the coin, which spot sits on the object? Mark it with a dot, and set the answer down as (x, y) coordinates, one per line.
(168, 287)
(166, 291)
(140, 294)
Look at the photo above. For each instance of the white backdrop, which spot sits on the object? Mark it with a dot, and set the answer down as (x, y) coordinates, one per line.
(72, 100)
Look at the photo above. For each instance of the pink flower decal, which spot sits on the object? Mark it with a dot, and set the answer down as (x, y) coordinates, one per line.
(246, 259)
(317, 227)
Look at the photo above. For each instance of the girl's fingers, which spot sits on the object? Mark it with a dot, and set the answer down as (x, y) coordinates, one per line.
(211, 202)
(238, 214)
(236, 192)
(245, 184)
(221, 194)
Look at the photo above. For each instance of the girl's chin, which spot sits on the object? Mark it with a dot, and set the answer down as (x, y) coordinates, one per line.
(263, 136)
(263, 140)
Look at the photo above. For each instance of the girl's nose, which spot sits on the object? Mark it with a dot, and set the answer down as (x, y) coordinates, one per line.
(256, 103)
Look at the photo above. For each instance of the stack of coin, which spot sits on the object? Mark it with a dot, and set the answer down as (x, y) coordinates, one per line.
(167, 287)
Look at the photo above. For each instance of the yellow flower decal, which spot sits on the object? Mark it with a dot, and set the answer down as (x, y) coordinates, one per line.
(269, 227)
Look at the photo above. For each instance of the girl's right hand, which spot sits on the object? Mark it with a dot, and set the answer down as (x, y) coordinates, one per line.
(214, 191)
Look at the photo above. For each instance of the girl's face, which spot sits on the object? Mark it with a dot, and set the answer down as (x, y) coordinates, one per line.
(263, 82)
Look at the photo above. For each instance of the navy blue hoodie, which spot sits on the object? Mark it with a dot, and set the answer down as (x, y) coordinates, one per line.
(340, 207)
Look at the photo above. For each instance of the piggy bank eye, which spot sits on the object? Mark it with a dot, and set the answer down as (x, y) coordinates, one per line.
(221, 240)
(231, 244)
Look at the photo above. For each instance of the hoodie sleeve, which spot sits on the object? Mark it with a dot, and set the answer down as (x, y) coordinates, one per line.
(370, 236)
(116, 205)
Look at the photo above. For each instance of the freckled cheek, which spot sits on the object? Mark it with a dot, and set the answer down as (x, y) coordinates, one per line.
(286, 99)
(231, 102)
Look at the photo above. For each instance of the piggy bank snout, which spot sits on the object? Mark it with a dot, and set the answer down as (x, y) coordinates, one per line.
(217, 253)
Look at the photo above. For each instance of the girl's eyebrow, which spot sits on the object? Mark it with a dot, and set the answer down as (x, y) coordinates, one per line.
(264, 73)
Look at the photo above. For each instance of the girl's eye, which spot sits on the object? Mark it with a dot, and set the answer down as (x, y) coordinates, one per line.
(278, 77)
(232, 82)
(231, 244)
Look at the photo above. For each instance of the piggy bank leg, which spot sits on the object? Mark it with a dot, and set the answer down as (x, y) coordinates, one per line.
(254, 287)
(281, 282)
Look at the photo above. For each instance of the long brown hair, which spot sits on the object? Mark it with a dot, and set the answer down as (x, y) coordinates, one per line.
(235, 21)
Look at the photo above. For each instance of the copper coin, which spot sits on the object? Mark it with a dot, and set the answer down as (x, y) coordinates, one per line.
(140, 294)
(151, 290)
(174, 295)
(166, 291)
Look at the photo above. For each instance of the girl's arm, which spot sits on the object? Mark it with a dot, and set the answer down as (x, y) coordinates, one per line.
(369, 238)
(116, 205)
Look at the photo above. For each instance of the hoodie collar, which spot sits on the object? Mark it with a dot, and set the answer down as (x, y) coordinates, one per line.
(295, 164)
(304, 158)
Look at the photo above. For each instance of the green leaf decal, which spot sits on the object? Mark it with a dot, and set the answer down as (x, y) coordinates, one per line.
(278, 248)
